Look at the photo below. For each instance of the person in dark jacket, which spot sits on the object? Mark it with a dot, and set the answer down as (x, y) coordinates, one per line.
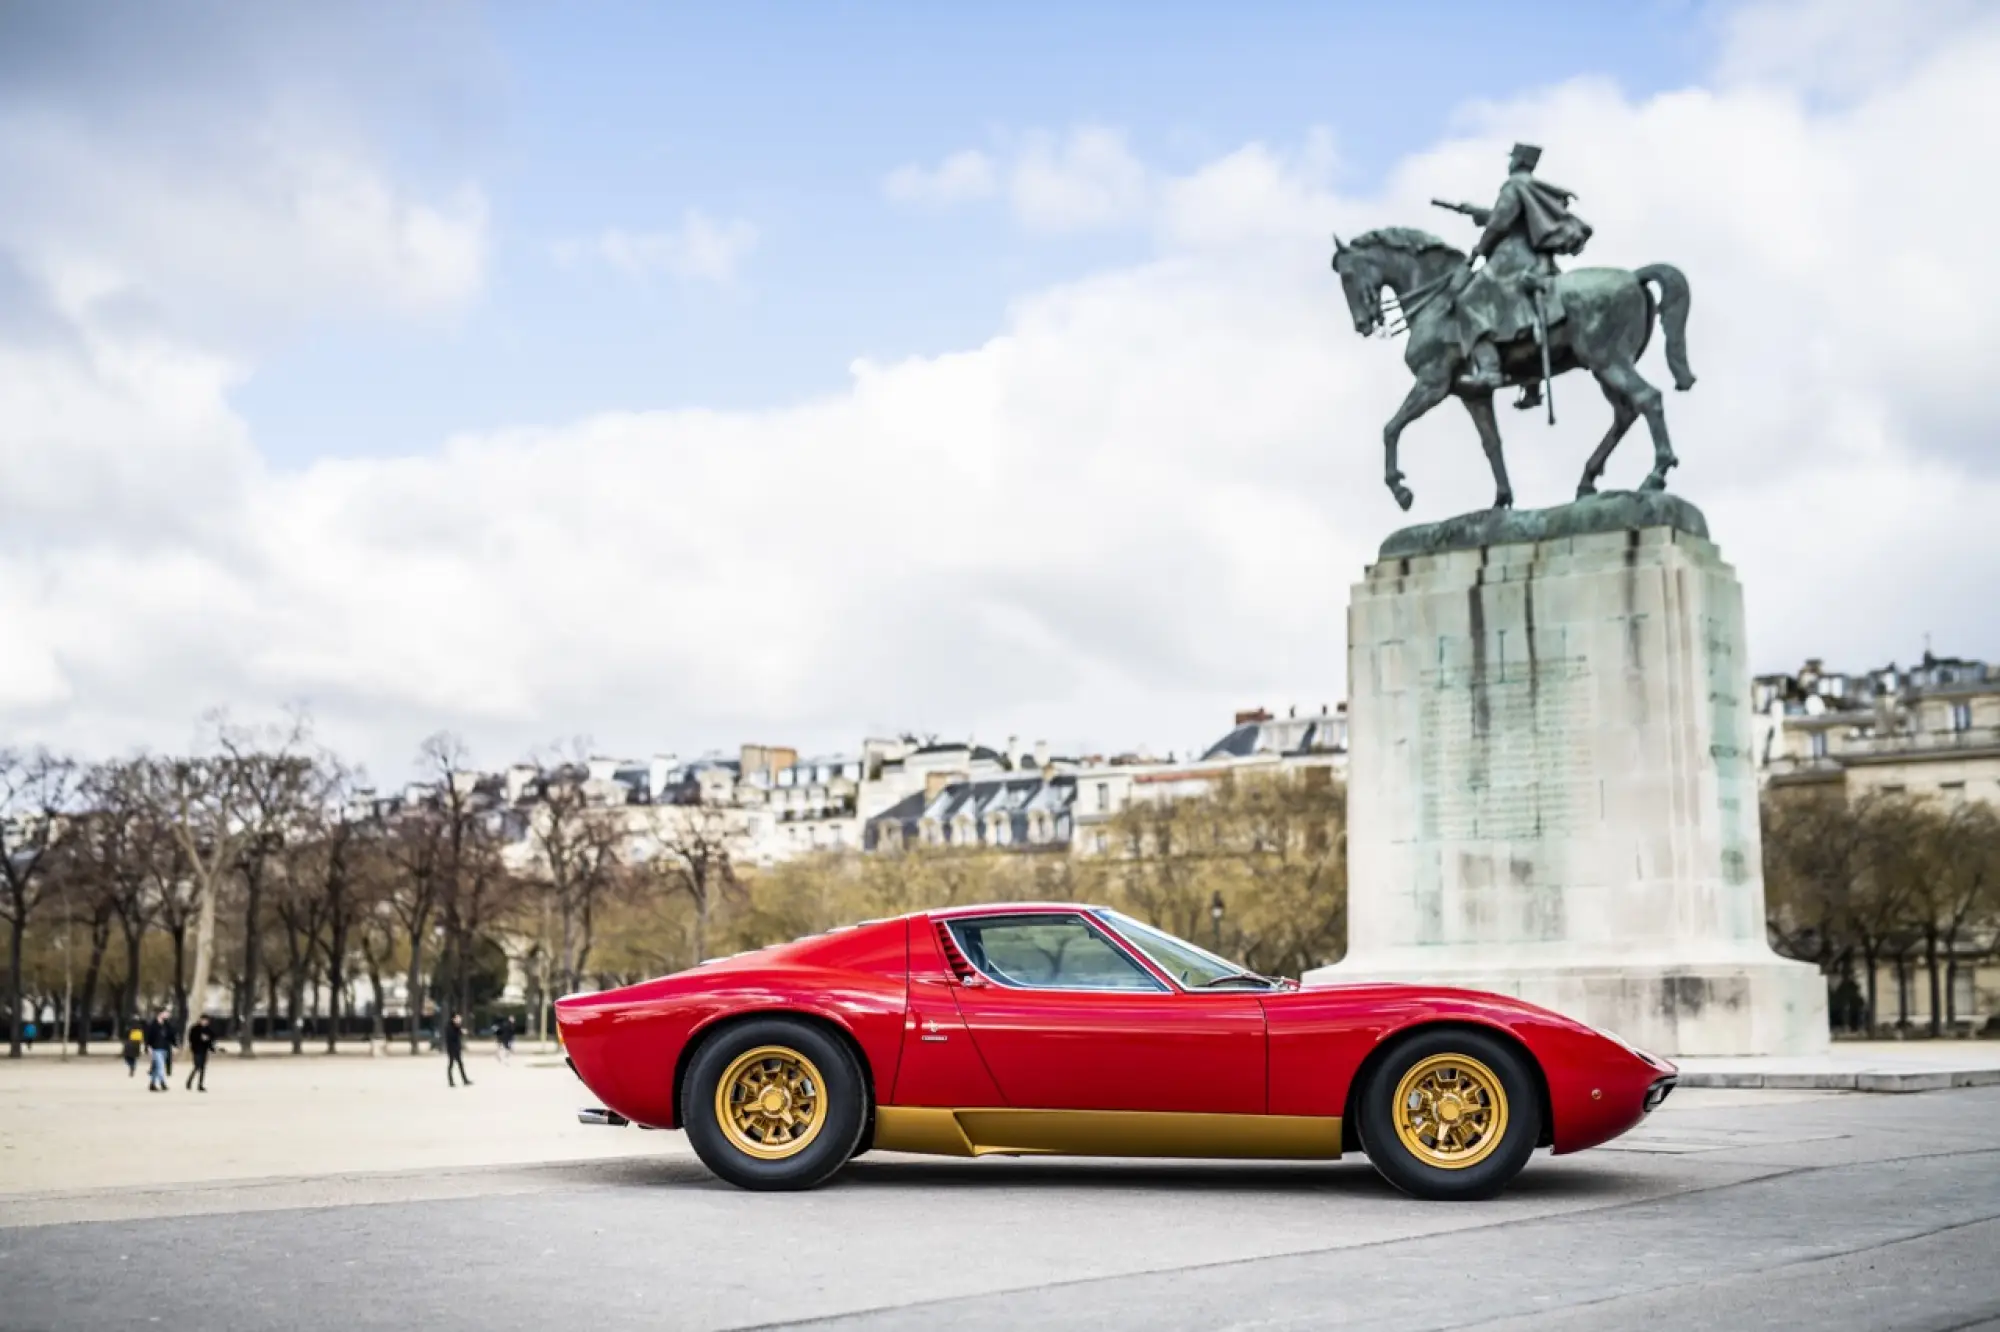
(503, 1039)
(135, 1042)
(159, 1040)
(454, 1052)
(201, 1039)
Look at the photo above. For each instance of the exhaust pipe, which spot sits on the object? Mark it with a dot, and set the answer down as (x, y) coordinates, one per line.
(596, 1114)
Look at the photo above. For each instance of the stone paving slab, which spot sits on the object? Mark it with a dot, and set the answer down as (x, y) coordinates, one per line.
(1890, 1223)
(1868, 1066)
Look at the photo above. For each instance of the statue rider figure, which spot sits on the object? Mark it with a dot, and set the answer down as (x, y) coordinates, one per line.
(1525, 229)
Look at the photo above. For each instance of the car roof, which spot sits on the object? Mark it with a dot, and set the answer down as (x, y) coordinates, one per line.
(1011, 908)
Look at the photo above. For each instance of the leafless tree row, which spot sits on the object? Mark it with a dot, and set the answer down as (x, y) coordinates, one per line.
(1886, 883)
(266, 864)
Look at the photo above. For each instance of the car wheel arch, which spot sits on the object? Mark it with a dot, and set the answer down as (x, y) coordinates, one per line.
(720, 1024)
(1350, 1121)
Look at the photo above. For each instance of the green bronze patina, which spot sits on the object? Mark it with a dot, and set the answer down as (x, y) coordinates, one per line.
(1515, 319)
(1612, 511)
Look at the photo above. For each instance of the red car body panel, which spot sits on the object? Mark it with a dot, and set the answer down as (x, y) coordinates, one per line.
(1321, 1036)
(627, 1044)
(931, 1039)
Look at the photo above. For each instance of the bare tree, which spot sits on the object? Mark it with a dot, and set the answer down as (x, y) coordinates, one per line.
(414, 845)
(374, 881)
(204, 800)
(1960, 892)
(37, 791)
(574, 842)
(1878, 914)
(91, 894)
(445, 843)
(340, 843)
(479, 894)
(695, 859)
(274, 779)
(301, 905)
(1815, 868)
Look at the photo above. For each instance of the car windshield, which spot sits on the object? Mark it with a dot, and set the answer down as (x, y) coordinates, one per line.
(1195, 968)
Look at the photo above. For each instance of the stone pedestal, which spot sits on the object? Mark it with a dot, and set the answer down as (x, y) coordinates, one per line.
(1551, 792)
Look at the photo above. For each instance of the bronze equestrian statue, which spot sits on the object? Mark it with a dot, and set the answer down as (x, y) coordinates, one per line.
(1517, 320)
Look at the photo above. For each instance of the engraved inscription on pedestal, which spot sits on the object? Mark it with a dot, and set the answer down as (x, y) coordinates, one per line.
(1507, 755)
(1735, 777)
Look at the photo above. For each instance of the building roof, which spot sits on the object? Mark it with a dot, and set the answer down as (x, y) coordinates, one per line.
(1314, 734)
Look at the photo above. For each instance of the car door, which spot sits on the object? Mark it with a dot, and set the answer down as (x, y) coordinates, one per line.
(1066, 1018)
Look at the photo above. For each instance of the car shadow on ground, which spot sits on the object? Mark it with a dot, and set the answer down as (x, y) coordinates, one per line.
(1350, 1176)
(1353, 1176)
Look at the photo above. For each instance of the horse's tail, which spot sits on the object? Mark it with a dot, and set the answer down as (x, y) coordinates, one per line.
(1673, 317)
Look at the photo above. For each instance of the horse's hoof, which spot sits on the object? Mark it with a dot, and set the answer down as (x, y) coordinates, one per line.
(1503, 501)
(1403, 497)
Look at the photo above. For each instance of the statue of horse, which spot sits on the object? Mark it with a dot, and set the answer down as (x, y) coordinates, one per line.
(1607, 319)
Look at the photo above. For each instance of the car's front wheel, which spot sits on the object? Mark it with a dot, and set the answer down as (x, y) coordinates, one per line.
(774, 1103)
(1451, 1114)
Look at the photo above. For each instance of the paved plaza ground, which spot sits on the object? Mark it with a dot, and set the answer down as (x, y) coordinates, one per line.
(351, 1192)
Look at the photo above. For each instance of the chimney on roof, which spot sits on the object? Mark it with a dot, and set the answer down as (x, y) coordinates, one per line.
(1041, 754)
(1246, 716)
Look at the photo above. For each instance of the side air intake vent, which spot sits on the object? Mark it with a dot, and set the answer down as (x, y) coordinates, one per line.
(952, 957)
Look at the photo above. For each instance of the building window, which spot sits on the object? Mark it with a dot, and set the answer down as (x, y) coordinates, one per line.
(1818, 744)
(1103, 796)
(1961, 716)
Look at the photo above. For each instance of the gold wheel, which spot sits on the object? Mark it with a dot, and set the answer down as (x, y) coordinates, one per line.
(770, 1102)
(1451, 1111)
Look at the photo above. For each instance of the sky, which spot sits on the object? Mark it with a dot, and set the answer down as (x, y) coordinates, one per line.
(679, 377)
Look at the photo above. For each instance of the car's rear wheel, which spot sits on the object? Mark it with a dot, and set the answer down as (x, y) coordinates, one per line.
(774, 1103)
(1451, 1114)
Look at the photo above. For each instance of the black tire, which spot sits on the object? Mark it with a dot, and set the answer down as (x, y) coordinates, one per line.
(1485, 1163)
(823, 1151)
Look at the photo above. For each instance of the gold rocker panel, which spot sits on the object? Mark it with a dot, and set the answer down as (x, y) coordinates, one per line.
(939, 1132)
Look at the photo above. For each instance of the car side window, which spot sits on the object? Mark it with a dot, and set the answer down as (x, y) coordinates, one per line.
(1048, 952)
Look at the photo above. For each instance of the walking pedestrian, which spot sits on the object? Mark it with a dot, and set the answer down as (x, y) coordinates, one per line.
(135, 1041)
(503, 1039)
(201, 1039)
(159, 1040)
(454, 1052)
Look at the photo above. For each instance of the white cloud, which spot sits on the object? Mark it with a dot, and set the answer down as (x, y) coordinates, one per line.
(228, 223)
(1088, 178)
(963, 175)
(1085, 179)
(1838, 48)
(700, 249)
(1137, 506)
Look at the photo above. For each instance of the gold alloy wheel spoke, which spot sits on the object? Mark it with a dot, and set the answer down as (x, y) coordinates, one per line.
(767, 1102)
(1451, 1111)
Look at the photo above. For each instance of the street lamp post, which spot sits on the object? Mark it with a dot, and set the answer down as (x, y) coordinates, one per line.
(1215, 915)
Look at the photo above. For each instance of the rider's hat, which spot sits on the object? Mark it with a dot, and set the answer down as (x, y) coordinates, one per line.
(1527, 154)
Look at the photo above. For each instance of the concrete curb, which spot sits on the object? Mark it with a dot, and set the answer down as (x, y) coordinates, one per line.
(1877, 1080)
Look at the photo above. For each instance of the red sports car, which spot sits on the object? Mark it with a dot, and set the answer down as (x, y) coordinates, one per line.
(1064, 1029)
